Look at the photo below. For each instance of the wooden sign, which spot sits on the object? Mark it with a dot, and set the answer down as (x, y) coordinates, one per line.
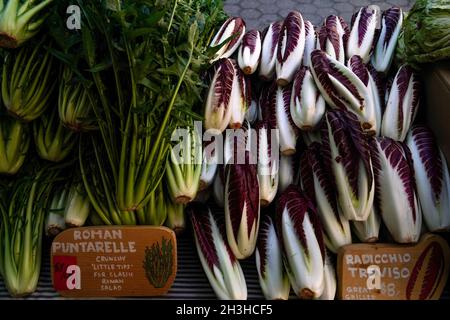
(114, 261)
(394, 272)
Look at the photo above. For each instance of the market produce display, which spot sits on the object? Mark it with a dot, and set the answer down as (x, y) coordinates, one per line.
(350, 156)
(323, 141)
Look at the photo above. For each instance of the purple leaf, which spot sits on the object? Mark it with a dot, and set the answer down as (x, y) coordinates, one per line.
(243, 189)
(324, 68)
(359, 68)
(366, 15)
(380, 82)
(238, 27)
(429, 153)
(351, 143)
(292, 27)
(248, 91)
(331, 30)
(276, 30)
(263, 245)
(244, 84)
(250, 39)
(391, 18)
(306, 174)
(386, 39)
(298, 81)
(287, 93)
(269, 50)
(298, 207)
(267, 102)
(324, 176)
(224, 83)
(310, 43)
(346, 28)
(398, 156)
(360, 142)
(200, 217)
(403, 78)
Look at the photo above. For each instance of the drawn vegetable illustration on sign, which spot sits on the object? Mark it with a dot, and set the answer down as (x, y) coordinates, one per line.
(158, 262)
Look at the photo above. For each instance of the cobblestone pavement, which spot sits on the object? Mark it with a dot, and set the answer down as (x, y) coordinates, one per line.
(259, 13)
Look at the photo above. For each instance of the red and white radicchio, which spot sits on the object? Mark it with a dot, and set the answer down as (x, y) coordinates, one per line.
(291, 45)
(402, 105)
(301, 236)
(342, 88)
(228, 38)
(307, 104)
(288, 131)
(310, 43)
(318, 184)
(242, 208)
(349, 154)
(250, 52)
(333, 37)
(268, 162)
(362, 34)
(241, 98)
(391, 25)
(269, 263)
(370, 115)
(396, 198)
(219, 263)
(220, 95)
(269, 51)
(432, 177)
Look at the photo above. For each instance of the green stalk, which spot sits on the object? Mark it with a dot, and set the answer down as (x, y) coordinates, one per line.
(132, 166)
(125, 197)
(118, 217)
(142, 184)
(121, 198)
(172, 15)
(141, 216)
(109, 136)
(162, 156)
(104, 215)
(116, 76)
(110, 202)
(157, 182)
(107, 133)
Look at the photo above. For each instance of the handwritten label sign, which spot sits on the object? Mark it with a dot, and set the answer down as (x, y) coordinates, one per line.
(114, 261)
(394, 272)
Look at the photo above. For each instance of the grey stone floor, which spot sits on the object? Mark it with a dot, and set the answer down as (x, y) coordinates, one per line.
(259, 13)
